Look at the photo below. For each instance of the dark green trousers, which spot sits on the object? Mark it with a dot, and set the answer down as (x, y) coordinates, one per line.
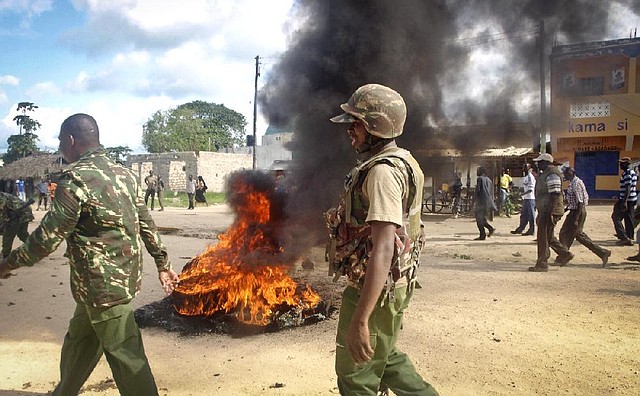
(9, 233)
(389, 365)
(114, 332)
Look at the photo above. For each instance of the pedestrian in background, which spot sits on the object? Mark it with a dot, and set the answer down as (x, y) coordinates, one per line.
(456, 193)
(506, 182)
(201, 188)
(528, 212)
(573, 226)
(43, 193)
(550, 206)
(20, 190)
(624, 208)
(484, 204)
(160, 192)
(52, 190)
(191, 191)
(106, 225)
(152, 184)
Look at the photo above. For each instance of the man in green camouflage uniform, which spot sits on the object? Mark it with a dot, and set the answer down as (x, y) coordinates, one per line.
(376, 238)
(16, 216)
(99, 213)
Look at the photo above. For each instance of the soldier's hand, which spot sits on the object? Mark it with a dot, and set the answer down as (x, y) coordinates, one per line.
(357, 340)
(5, 271)
(169, 280)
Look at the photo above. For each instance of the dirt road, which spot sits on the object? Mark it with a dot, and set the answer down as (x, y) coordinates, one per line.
(480, 325)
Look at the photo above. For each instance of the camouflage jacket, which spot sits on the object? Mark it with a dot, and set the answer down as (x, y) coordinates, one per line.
(99, 212)
(13, 209)
(350, 243)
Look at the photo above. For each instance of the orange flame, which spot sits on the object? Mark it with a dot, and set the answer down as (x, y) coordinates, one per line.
(230, 276)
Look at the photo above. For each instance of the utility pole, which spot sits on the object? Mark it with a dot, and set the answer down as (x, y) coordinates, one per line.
(255, 109)
(543, 91)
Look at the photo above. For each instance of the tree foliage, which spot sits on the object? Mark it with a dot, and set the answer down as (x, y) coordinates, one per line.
(18, 146)
(195, 126)
(119, 153)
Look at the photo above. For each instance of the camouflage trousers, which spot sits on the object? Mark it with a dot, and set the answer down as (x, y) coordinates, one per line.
(389, 365)
(9, 233)
(114, 332)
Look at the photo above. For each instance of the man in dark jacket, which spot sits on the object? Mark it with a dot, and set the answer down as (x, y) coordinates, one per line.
(484, 204)
(550, 207)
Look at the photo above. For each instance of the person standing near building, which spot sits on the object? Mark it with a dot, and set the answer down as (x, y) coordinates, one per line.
(550, 207)
(20, 190)
(43, 193)
(191, 191)
(528, 212)
(201, 188)
(52, 190)
(506, 181)
(98, 212)
(623, 209)
(484, 204)
(376, 239)
(573, 226)
(456, 193)
(16, 216)
(160, 192)
(152, 184)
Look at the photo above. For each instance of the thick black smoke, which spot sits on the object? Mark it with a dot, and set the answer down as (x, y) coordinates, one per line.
(419, 48)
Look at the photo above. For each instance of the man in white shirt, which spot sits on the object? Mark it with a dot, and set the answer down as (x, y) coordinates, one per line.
(528, 212)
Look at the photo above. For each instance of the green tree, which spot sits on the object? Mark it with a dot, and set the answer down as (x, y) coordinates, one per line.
(173, 130)
(119, 153)
(195, 126)
(24, 143)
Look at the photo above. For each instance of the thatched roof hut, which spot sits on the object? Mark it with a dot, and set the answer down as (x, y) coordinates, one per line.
(33, 167)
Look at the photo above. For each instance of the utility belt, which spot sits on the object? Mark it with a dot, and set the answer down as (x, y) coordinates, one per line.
(408, 278)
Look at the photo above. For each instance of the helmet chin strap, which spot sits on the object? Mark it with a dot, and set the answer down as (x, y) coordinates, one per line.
(371, 142)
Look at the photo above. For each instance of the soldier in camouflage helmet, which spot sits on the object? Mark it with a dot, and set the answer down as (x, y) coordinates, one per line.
(16, 216)
(376, 236)
(99, 213)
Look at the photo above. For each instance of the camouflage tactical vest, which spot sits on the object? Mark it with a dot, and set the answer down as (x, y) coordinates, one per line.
(350, 245)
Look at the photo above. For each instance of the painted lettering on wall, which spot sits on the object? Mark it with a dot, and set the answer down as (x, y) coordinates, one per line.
(597, 126)
(623, 125)
(588, 127)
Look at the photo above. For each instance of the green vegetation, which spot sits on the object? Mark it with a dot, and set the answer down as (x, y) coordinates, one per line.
(181, 200)
(195, 126)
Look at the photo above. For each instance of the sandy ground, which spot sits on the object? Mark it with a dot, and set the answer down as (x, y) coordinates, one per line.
(481, 324)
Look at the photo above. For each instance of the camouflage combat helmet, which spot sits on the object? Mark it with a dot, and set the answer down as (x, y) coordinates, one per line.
(380, 108)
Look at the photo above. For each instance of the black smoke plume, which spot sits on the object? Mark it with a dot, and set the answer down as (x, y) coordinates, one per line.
(422, 50)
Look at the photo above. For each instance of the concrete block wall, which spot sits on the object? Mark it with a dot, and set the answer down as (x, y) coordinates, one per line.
(214, 167)
(176, 167)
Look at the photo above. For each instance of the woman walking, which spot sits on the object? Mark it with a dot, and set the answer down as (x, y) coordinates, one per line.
(201, 188)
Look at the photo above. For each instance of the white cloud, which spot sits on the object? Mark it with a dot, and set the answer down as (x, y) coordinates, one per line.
(42, 90)
(9, 80)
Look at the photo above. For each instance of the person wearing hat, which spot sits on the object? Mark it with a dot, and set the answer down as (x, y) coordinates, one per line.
(550, 206)
(623, 209)
(376, 236)
(573, 226)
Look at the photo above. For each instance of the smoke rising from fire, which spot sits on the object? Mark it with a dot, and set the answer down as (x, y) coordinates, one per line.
(454, 62)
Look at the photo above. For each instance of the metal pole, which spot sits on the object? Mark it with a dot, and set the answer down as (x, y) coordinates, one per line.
(255, 109)
(543, 91)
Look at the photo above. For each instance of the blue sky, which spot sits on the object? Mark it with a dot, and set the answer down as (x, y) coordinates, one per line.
(122, 60)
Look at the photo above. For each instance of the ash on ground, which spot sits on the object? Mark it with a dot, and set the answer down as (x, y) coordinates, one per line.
(162, 314)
